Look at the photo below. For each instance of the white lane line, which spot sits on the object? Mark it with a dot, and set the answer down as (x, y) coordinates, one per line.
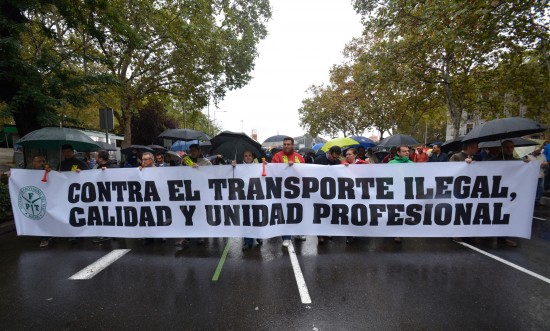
(538, 218)
(522, 269)
(302, 287)
(94, 268)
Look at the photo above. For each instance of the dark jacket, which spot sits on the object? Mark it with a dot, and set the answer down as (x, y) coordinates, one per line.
(322, 159)
(442, 157)
(71, 164)
(109, 165)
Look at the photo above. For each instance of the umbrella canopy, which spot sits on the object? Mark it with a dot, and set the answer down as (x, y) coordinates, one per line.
(452, 145)
(306, 150)
(342, 142)
(54, 138)
(504, 128)
(183, 134)
(157, 148)
(364, 141)
(317, 147)
(106, 147)
(518, 142)
(232, 145)
(397, 140)
(141, 148)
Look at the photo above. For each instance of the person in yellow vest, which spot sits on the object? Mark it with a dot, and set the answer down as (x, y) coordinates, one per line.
(193, 159)
(288, 155)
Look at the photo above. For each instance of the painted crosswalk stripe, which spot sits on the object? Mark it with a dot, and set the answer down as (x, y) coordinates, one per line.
(94, 268)
(515, 266)
(538, 218)
(221, 262)
(302, 287)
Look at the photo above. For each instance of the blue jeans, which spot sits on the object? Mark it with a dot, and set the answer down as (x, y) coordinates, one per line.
(285, 237)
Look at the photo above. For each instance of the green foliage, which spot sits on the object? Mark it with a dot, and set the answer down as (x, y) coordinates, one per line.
(61, 55)
(5, 202)
(456, 47)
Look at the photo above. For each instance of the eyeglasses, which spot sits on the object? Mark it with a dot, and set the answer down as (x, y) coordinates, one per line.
(147, 158)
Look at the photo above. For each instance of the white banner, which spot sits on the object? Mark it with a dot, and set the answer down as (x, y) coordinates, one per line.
(379, 200)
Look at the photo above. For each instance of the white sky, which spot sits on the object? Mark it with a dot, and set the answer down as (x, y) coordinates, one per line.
(305, 38)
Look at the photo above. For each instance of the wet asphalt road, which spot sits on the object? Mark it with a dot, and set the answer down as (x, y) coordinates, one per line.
(423, 283)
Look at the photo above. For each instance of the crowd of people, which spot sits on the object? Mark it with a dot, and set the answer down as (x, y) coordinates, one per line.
(335, 155)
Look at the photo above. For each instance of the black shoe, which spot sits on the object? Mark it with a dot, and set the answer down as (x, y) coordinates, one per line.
(259, 241)
(200, 241)
(246, 247)
(349, 241)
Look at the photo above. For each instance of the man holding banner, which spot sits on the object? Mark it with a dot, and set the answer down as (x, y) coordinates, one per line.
(288, 155)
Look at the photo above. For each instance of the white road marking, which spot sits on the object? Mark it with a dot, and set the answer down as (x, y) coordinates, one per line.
(302, 287)
(538, 218)
(522, 269)
(94, 268)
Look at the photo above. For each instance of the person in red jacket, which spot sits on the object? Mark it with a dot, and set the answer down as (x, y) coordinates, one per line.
(288, 155)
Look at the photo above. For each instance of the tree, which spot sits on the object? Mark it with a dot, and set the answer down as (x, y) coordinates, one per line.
(193, 51)
(454, 45)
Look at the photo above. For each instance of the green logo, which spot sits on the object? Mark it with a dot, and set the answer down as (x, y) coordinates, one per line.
(32, 202)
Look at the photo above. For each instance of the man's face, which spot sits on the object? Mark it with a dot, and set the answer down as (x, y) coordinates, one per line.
(436, 149)
(68, 153)
(159, 159)
(248, 157)
(508, 148)
(98, 160)
(38, 162)
(288, 146)
(403, 152)
(147, 161)
(194, 152)
(333, 156)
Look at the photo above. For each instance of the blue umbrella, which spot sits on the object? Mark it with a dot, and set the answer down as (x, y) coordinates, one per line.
(317, 147)
(364, 141)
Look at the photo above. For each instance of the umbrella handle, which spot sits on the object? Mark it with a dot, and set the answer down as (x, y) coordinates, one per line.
(263, 167)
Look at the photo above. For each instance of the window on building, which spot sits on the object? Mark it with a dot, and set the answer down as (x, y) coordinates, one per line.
(469, 127)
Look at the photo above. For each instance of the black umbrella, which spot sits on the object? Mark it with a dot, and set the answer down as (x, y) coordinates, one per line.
(140, 148)
(232, 145)
(397, 140)
(183, 134)
(452, 145)
(157, 149)
(504, 128)
(518, 142)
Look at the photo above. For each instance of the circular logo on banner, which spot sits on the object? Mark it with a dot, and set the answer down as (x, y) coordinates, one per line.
(32, 202)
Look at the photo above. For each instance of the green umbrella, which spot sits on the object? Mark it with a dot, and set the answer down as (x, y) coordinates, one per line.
(54, 138)
(342, 142)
